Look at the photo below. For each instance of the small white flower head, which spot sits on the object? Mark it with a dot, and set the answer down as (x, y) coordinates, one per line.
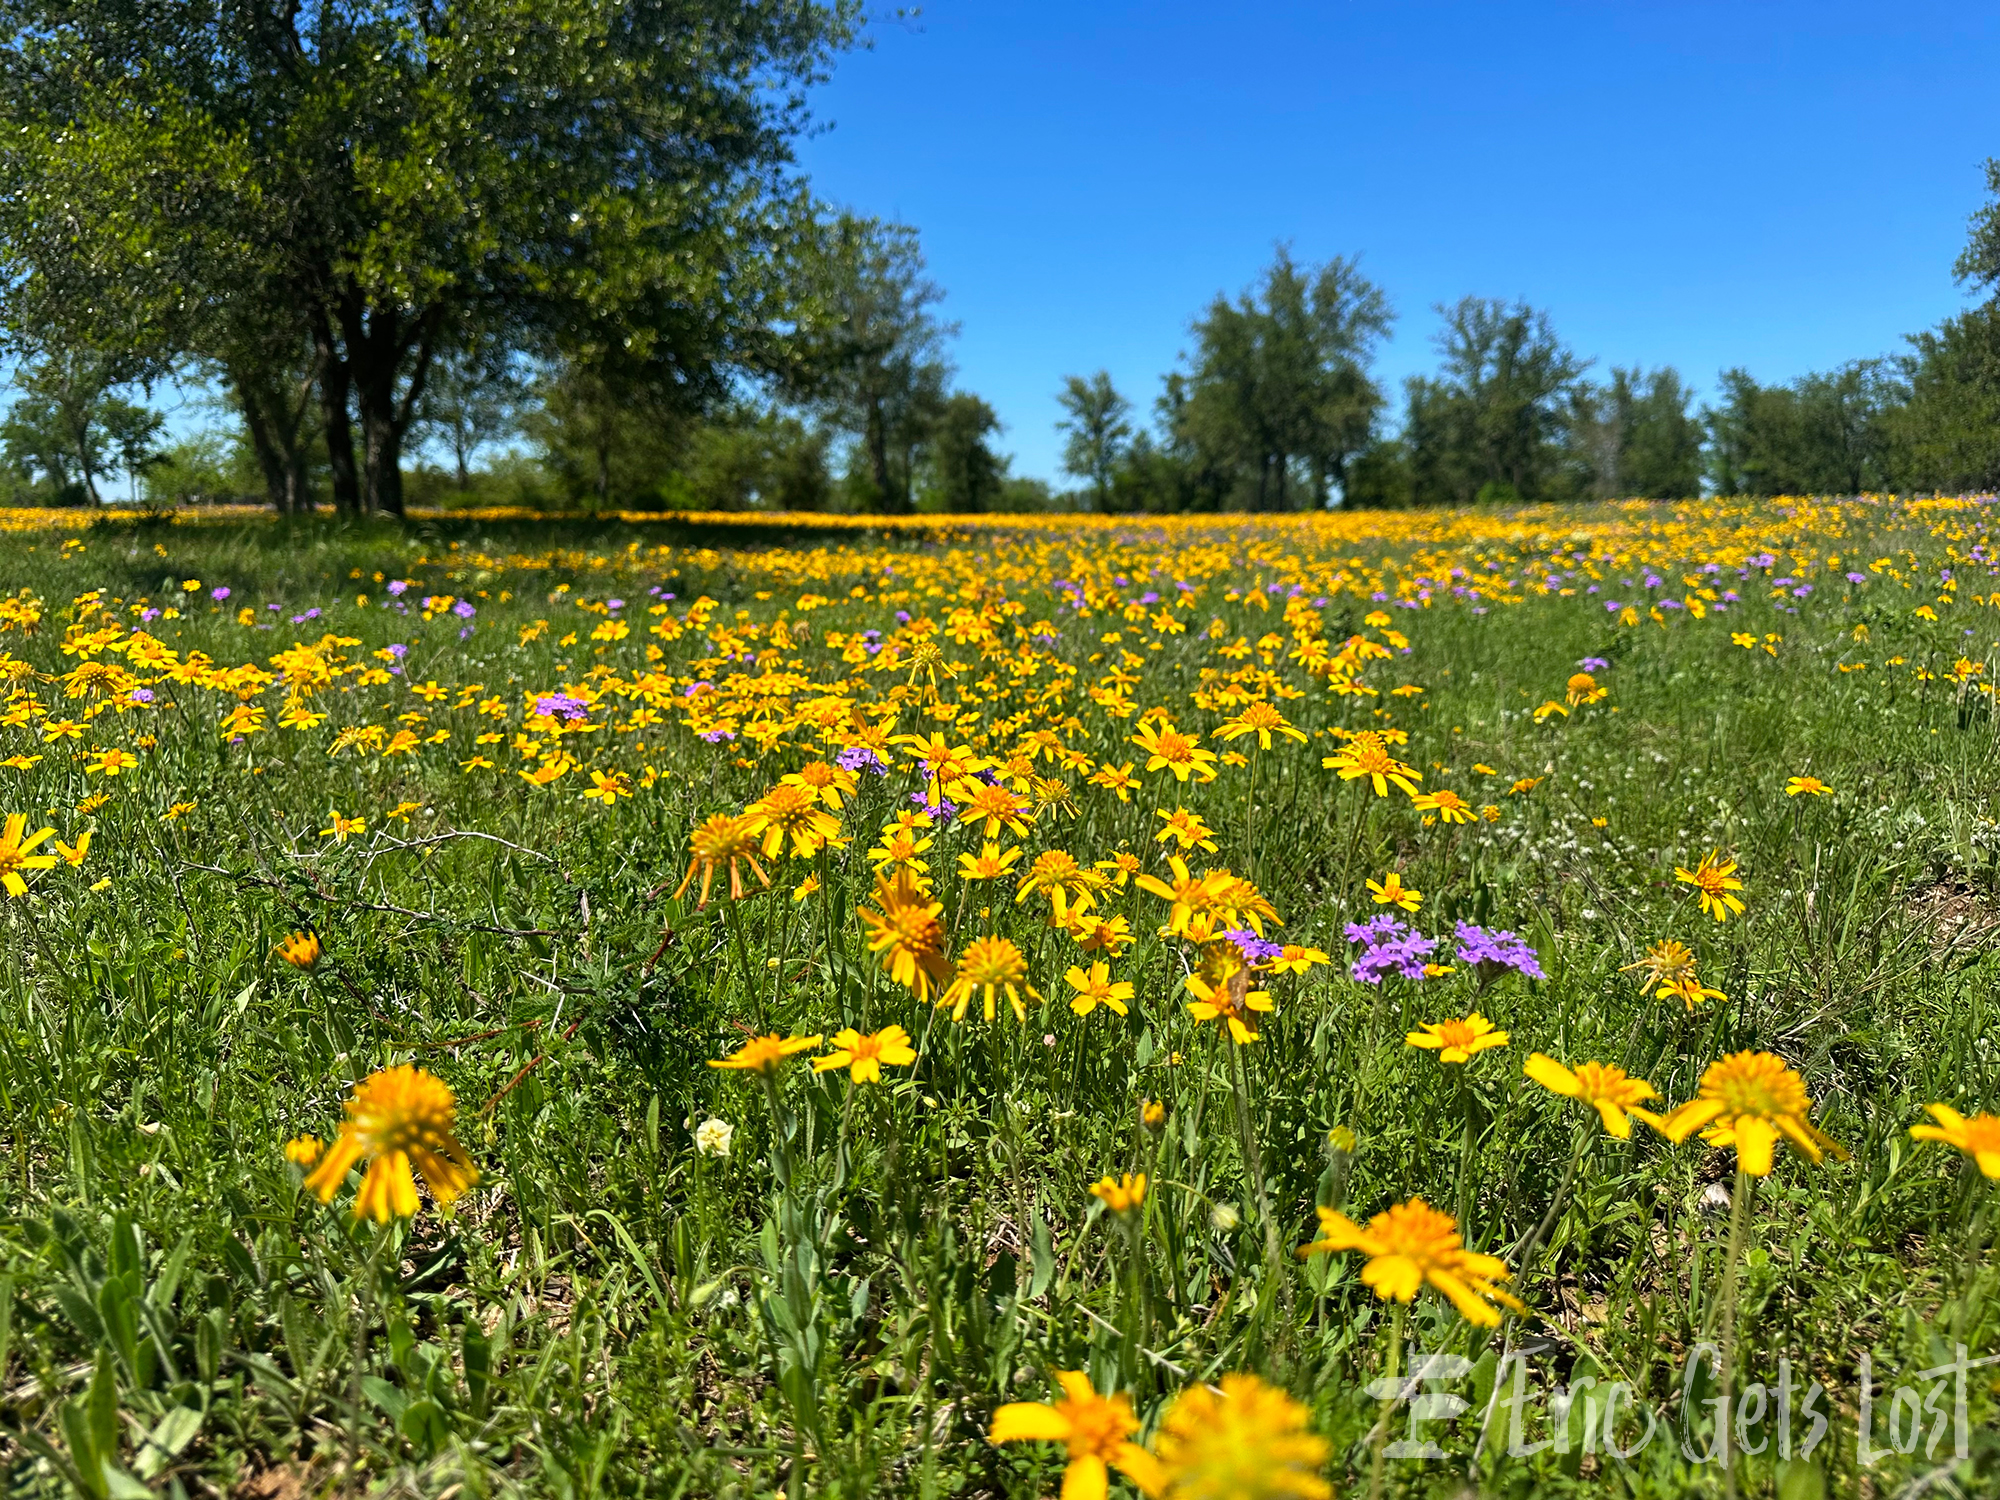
(711, 1137)
(1224, 1217)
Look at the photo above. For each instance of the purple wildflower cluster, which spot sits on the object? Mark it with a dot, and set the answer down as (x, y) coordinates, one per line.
(1495, 953)
(553, 705)
(861, 758)
(1254, 949)
(941, 811)
(1388, 946)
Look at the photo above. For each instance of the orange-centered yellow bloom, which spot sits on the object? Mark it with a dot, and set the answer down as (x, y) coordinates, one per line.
(1096, 988)
(1447, 804)
(398, 1119)
(1097, 1431)
(1122, 1195)
(343, 827)
(1806, 786)
(722, 842)
(16, 853)
(1262, 720)
(1369, 759)
(1412, 1244)
(1230, 1002)
(1249, 1441)
(864, 1056)
(1747, 1101)
(1390, 891)
(1456, 1041)
(990, 967)
(300, 950)
(1170, 749)
(1715, 878)
(762, 1054)
(1978, 1137)
(1603, 1087)
(111, 762)
(790, 809)
(907, 935)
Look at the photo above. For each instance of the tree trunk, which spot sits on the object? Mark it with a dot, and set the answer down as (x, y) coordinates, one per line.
(257, 422)
(878, 463)
(335, 382)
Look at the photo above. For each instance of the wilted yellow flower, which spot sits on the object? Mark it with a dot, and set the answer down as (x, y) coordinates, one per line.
(990, 967)
(300, 950)
(722, 842)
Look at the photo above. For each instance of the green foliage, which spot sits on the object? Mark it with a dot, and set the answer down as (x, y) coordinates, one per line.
(1277, 397)
(69, 429)
(1097, 434)
(965, 474)
(613, 1313)
(1499, 412)
(599, 181)
(1822, 435)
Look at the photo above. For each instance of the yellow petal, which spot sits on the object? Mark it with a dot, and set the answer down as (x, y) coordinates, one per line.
(1755, 1140)
(1028, 1421)
(1086, 1479)
(1551, 1075)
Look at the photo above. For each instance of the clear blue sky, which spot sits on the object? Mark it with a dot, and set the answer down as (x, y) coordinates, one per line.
(1766, 183)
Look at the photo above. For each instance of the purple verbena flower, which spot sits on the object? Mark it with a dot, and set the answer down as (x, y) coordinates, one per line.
(861, 758)
(465, 609)
(1497, 952)
(397, 586)
(219, 592)
(1252, 947)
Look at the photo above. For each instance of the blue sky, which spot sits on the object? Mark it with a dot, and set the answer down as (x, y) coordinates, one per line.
(1777, 185)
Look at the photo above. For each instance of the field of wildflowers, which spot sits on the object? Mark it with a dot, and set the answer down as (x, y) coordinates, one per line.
(1425, 1003)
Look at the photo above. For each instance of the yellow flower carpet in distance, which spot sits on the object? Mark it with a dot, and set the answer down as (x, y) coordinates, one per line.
(855, 1005)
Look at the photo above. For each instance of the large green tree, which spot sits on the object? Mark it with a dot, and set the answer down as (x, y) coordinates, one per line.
(1277, 391)
(1827, 433)
(596, 179)
(1494, 423)
(868, 353)
(1635, 435)
(1096, 430)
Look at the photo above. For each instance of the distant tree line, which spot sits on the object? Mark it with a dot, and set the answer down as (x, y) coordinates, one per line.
(1275, 408)
(561, 255)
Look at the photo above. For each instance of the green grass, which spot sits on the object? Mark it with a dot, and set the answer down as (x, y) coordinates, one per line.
(611, 1313)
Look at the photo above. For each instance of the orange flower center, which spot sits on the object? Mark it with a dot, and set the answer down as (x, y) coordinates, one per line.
(1756, 1085)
